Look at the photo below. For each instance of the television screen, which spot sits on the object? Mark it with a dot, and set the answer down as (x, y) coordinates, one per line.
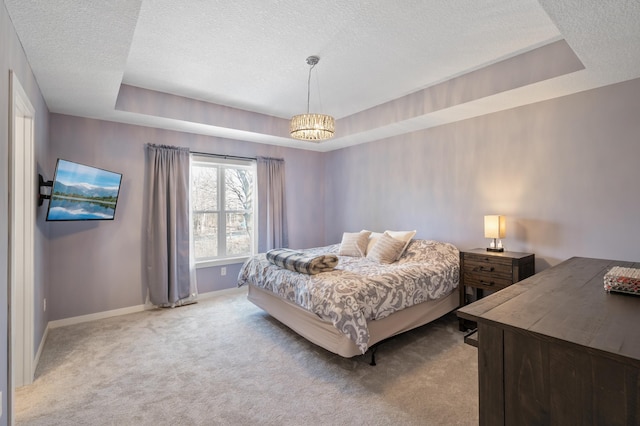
(82, 192)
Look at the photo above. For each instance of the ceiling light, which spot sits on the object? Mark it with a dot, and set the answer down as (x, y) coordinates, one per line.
(312, 127)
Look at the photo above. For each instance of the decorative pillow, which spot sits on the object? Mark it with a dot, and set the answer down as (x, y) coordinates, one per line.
(405, 236)
(373, 238)
(386, 249)
(354, 244)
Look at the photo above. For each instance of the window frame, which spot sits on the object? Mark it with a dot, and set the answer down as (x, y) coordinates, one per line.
(225, 163)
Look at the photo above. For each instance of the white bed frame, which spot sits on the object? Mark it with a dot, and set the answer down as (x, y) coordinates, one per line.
(326, 335)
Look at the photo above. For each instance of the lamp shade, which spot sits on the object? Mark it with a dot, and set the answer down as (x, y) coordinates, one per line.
(495, 226)
(312, 127)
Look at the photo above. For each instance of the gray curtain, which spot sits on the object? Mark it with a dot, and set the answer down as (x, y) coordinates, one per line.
(170, 271)
(272, 204)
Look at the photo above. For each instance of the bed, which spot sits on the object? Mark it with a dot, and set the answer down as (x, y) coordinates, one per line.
(361, 302)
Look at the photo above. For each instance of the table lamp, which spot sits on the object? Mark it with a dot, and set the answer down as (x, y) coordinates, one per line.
(495, 227)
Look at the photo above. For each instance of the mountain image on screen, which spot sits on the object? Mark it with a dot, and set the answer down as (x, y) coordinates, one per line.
(86, 190)
(83, 193)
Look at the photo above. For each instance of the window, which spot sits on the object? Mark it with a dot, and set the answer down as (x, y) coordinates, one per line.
(223, 209)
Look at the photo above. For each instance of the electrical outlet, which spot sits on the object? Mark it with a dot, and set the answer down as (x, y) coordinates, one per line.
(223, 271)
(44, 305)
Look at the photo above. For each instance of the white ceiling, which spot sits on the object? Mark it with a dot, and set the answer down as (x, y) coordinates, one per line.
(386, 66)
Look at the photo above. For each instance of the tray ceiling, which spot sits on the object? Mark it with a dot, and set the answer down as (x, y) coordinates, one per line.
(237, 69)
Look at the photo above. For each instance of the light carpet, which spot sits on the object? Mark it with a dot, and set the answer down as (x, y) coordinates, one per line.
(223, 361)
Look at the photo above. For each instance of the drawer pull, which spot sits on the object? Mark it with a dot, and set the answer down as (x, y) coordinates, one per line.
(482, 268)
(487, 283)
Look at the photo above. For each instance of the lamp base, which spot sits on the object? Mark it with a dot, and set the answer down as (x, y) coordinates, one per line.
(499, 249)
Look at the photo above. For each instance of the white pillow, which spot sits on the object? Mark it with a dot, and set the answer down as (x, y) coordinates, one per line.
(373, 238)
(354, 244)
(386, 249)
(405, 236)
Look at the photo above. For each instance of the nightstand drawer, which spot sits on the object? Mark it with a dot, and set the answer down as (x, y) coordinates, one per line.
(488, 260)
(474, 266)
(486, 281)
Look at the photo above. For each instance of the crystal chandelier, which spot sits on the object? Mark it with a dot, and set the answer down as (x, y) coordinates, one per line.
(312, 127)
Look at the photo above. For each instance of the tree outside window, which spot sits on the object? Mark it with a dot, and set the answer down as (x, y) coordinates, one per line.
(223, 206)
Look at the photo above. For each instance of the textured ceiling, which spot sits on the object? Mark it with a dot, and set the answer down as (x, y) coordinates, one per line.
(237, 69)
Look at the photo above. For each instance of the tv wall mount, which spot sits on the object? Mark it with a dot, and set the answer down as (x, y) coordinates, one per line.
(45, 187)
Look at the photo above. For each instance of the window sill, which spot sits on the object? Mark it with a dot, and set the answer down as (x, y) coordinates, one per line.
(221, 262)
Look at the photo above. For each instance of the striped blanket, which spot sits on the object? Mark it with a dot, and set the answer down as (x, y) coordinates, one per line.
(301, 262)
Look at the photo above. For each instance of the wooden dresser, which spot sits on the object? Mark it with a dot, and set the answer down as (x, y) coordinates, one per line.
(556, 348)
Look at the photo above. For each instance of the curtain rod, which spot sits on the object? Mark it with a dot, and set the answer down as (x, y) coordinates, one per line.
(237, 157)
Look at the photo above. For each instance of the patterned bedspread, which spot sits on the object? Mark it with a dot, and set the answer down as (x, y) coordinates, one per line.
(359, 289)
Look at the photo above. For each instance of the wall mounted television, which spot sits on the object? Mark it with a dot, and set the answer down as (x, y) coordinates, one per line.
(82, 192)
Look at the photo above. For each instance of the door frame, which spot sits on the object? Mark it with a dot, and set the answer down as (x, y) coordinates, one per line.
(22, 220)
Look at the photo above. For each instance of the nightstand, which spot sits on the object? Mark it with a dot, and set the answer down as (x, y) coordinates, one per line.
(493, 271)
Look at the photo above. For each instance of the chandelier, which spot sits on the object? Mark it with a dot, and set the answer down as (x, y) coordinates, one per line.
(312, 127)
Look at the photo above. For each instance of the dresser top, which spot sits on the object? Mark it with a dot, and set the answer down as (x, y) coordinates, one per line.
(567, 302)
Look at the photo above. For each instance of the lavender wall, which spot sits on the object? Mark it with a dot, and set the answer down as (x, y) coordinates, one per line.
(563, 171)
(97, 266)
(12, 57)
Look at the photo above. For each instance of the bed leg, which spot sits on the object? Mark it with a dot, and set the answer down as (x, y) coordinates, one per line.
(373, 355)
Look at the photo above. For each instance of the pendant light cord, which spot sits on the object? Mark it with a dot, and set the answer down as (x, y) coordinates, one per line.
(309, 87)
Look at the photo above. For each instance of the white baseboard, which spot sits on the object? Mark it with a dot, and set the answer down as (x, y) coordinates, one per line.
(224, 292)
(40, 348)
(131, 309)
(98, 315)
